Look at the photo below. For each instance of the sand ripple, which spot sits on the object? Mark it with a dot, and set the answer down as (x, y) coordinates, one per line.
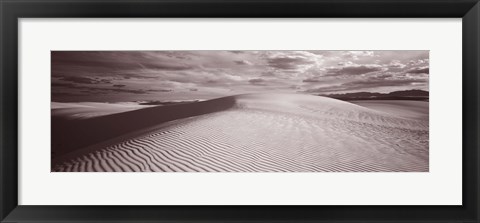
(251, 139)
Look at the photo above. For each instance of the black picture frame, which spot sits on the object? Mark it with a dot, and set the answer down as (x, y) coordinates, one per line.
(12, 10)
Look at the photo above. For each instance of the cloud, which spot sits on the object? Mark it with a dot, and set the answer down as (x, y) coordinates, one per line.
(361, 69)
(159, 90)
(299, 61)
(86, 80)
(419, 70)
(77, 64)
(164, 66)
(387, 75)
(396, 64)
(62, 94)
(311, 80)
(288, 63)
(257, 81)
(418, 62)
(139, 74)
(356, 55)
(242, 62)
(133, 74)
(133, 91)
(118, 59)
(295, 87)
(80, 80)
(118, 88)
(345, 63)
(354, 69)
(67, 85)
(268, 73)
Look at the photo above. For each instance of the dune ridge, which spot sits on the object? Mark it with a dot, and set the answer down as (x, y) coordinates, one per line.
(261, 133)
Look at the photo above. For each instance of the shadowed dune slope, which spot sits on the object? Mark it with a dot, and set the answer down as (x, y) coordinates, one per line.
(253, 133)
(71, 134)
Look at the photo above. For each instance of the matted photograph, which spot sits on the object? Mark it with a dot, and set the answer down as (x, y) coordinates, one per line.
(240, 111)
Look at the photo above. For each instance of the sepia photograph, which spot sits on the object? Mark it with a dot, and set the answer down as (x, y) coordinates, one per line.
(240, 111)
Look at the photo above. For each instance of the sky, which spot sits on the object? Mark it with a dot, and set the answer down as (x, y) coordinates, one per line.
(116, 76)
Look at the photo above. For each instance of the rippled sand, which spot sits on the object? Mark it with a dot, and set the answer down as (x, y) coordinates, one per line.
(265, 133)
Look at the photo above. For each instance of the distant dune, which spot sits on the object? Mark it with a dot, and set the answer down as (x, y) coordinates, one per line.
(248, 133)
(418, 95)
(402, 108)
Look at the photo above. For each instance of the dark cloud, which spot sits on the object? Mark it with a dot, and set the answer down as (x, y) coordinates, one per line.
(384, 76)
(62, 94)
(159, 90)
(164, 66)
(81, 80)
(125, 75)
(133, 91)
(311, 80)
(242, 62)
(288, 63)
(93, 90)
(295, 87)
(419, 70)
(268, 74)
(344, 63)
(72, 61)
(257, 81)
(152, 74)
(212, 82)
(354, 69)
(67, 85)
(86, 80)
(75, 64)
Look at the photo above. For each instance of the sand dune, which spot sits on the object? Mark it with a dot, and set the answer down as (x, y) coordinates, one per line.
(402, 108)
(251, 133)
(85, 110)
